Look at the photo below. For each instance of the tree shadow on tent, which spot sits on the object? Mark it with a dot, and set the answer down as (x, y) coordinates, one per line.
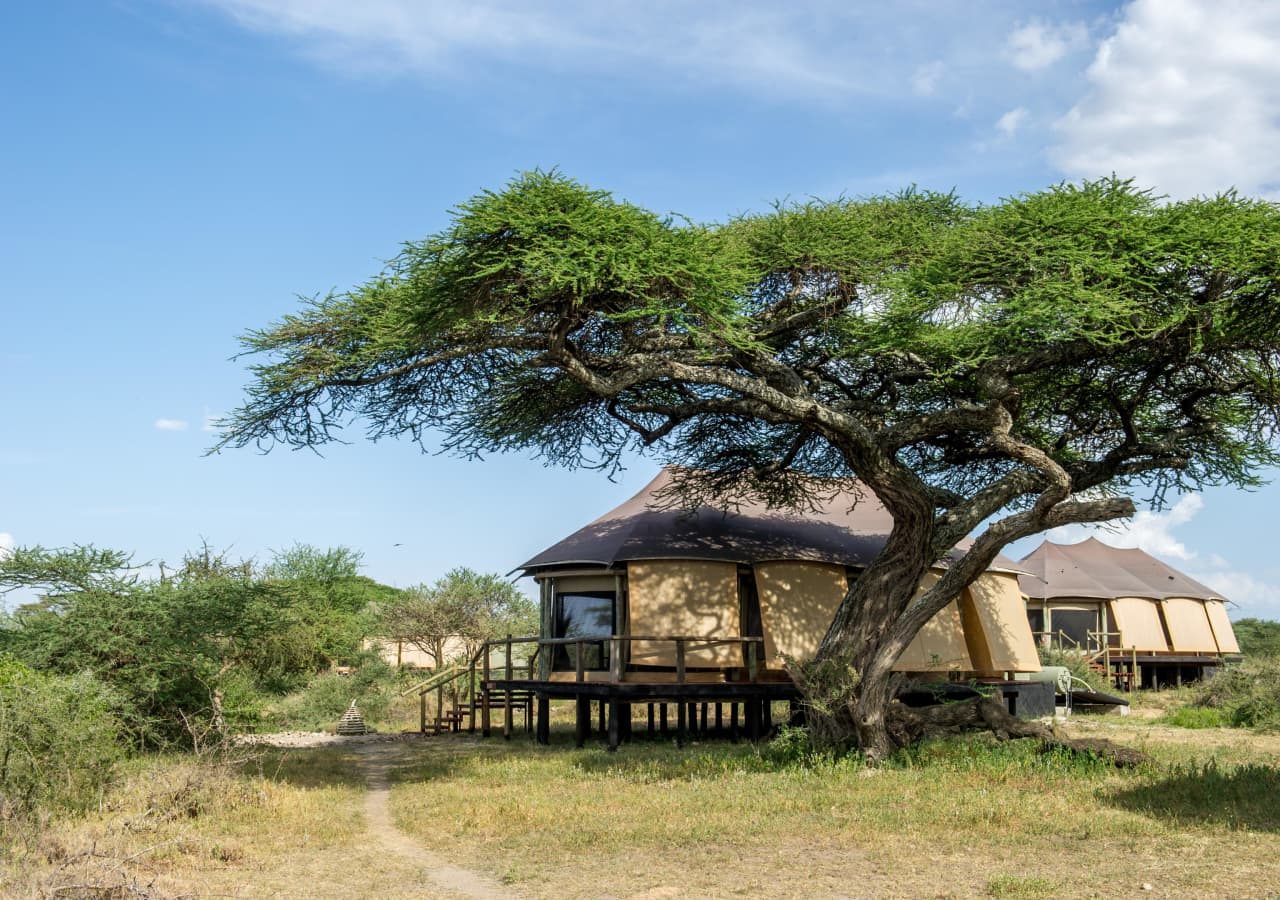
(1241, 797)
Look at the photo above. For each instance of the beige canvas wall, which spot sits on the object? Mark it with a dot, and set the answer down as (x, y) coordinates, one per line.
(996, 630)
(1223, 633)
(1188, 624)
(1138, 621)
(686, 598)
(798, 600)
(940, 645)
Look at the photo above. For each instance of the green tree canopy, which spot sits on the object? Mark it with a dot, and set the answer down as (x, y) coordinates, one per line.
(990, 370)
(170, 647)
(463, 607)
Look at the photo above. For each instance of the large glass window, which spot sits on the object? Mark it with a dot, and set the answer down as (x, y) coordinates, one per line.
(1035, 618)
(584, 614)
(1075, 624)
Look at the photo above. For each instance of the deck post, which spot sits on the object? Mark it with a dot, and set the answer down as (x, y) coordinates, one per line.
(439, 707)
(471, 696)
(752, 665)
(615, 660)
(582, 727)
(680, 723)
(422, 711)
(650, 731)
(733, 722)
(615, 723)
(766, 707)
(544, 720)
(719, 717)
(484, 694)
(679, 661)
(578, 670)
(508, 714)
(752, 710)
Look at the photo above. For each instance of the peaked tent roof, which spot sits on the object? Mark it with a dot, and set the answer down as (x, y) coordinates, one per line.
(1094, 570)
(847, 529)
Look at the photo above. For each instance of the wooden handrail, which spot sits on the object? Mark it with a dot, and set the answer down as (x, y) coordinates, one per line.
(437, 679)
(616, 643)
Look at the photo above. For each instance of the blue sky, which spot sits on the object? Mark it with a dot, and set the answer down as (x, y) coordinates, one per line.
(176, 173)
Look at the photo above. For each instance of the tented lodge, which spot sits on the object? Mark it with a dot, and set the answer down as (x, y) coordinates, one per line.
(654, 604)
(1144, 621)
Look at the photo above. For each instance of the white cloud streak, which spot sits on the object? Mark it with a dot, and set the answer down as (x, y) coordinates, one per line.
(1038, 45)
(171, 424)
(817, 51)
(1010, 122)
(1185, 97)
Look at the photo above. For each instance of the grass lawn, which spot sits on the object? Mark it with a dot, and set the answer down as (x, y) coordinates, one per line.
(963, 818)
(283, 824)
(966, 818)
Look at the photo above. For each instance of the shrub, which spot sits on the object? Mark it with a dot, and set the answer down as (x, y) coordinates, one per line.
(1197, 717)
(59, 741)
(325, 698)
(1257, 637)
(1245, 695)
(1078, 665)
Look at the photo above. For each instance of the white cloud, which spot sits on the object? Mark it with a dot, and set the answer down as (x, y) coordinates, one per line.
(1010, 122)
(1185, 97)
(1151, 531)
(925, 80)
(1037, 45)
(815, 50)
(6, 544)
(171, 424)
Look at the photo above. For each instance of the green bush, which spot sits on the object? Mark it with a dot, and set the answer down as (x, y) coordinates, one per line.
(1197, 717)
(1246, 695)
(324, 699)
(1078, 665)
(59, 741)
(1257, 637)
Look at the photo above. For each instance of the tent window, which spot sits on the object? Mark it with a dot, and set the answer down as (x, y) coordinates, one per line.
(1075, 624)
(585, 614)
(1035, 617)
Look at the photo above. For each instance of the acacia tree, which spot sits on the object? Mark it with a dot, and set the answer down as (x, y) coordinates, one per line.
(464, 606)
(991, 371)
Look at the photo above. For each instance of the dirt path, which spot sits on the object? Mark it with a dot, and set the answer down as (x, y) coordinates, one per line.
(377, 760)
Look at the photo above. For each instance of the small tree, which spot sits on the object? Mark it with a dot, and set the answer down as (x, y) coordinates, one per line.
(463, 606)
(990, 371)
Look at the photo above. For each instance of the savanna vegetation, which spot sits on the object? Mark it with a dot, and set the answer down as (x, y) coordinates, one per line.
(104, 672)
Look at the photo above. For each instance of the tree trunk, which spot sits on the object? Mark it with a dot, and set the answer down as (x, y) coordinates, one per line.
(862, 628)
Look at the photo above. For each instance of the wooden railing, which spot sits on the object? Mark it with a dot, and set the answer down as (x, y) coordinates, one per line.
(437, 682)
(482, 660)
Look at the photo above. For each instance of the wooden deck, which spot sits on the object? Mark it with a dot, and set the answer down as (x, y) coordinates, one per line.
(678, 701)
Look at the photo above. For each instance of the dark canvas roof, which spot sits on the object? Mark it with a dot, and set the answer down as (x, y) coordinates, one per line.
(1094, 570)
(848, 529)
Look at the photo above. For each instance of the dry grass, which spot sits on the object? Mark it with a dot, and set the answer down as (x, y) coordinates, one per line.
(288, 825)
(709, 820)
(966, 819)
